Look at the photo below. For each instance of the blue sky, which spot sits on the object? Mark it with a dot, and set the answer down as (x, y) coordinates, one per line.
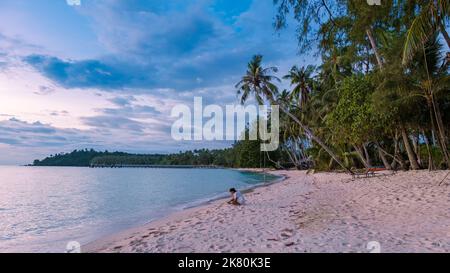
(106, 74)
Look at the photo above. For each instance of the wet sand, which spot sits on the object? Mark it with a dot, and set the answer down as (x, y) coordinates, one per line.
(323, 212)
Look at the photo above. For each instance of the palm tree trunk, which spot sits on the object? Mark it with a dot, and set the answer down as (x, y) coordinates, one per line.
(435, 113)
(374, 47)
(361, 156)
(293, 158)
(430, 155)
(301, 150)
(442, 133)
(383, 157)
(409, 150)
(397, 156)
(277, 164)
(330, 164)
(416, 146)
(316, 139)
(366, 153)
(394, 161)
(433, 125)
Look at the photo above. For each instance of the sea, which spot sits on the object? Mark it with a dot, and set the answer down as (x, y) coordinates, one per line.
(47, 209)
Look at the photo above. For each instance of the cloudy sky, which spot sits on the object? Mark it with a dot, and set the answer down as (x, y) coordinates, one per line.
(106, 74)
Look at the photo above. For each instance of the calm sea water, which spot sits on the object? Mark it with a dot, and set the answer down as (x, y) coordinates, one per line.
(43, 208)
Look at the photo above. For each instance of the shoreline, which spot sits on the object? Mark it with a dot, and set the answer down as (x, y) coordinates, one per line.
(190, 207)
(323, 212)
(209, 200)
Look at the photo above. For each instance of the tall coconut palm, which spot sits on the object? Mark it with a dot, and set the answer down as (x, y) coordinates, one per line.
(302, 81)
(430, 82)
(284, 97)
(424, 79)
(434, 16)
(258, 82)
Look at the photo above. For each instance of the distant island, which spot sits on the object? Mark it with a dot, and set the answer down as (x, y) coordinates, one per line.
(90, 157)
(243, 154)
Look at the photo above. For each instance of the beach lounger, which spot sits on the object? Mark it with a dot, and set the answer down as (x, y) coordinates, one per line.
(368, 172)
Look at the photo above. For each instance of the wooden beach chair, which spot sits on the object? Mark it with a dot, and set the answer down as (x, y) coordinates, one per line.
(367, 172)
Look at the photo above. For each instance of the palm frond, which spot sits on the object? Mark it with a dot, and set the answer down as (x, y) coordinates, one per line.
(419, 32)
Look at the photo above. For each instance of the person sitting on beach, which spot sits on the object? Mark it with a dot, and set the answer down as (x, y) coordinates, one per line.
(237, 198)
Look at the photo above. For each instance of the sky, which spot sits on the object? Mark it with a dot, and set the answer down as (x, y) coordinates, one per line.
(105, 74)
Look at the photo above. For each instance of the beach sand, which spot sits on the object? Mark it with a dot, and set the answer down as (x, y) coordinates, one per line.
(322, 212)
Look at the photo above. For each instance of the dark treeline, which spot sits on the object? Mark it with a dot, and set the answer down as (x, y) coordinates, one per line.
(243, 154)
(77, 158)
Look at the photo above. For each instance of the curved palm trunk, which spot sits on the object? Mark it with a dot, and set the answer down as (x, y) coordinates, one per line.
(440, 124)
(384, 160)
(316, 139)
(277, 164)
(435, 117)
(366, 153)
(361, 156)
(374, 47)
(441, 132)
(416, 146)
(292, 157)
(409, 150)
(397, 156)
(394, 161)
(383, 157)
(430, 155)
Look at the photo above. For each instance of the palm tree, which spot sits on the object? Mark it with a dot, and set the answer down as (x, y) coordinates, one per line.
(420, 84)
(433, 17)
(430, 82)
(258, 82)
(303, 82)
(284, 97)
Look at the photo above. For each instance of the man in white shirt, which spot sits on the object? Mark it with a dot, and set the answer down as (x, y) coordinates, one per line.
(237, 198)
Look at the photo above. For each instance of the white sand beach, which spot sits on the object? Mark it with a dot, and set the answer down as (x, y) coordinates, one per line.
(324, 212)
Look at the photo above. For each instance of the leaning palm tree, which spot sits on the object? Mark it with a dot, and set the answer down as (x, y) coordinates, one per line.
(434, 16)
(303, 81)
(258, 82)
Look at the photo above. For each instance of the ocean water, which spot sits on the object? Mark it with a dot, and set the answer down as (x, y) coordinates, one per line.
(44, 208)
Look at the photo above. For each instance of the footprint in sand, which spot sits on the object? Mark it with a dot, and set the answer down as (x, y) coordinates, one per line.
(135, 242)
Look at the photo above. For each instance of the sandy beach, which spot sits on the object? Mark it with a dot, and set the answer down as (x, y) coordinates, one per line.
(323, 212)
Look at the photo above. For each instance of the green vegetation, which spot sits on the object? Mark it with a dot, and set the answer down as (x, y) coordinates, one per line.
(379, 98)
(244, 154)
(77, 158)
(381, 95)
